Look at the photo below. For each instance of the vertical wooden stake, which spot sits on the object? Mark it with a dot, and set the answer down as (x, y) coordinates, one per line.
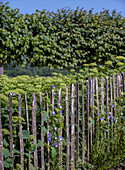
(93, 125)
(60, 135)
(1, 142)
(77, 122)
(83, 126)
(11, 131)
(72, 127)
(102, 95)
(42, 134)
(20, 133)
(97, 103)
(47, 109)
(87, 94)
(27, 124)
(114, 92)
(91, 110)
(67, 128)
(34, 129)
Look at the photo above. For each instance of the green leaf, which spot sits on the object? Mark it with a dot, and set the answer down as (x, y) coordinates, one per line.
(32, 167)
(25, 134)
(53, 152)
(8, 163)
(6, 152)
(40, 143)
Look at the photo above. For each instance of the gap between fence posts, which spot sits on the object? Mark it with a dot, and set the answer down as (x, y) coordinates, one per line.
(1, 143)
(11, 131)
(20, 133)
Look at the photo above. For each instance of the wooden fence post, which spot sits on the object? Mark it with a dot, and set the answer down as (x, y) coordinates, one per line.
(77, 122)
(114, 92)
(1, 142)
(47, 110)
(27, 124)
(67, 128)
(87, 94)
(11, 131)
(102, 95)
(83, 126)
(91, 110)
(60, 135)
(72, 127)
(42, 134)
(20, 133)
(34, 129)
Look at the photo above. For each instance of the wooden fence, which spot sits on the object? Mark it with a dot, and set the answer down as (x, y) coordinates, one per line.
(82, 104)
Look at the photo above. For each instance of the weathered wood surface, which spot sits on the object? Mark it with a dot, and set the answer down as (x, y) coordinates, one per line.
(20, 132)
(34, 129)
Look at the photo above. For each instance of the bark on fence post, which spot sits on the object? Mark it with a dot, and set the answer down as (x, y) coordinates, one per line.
(60, 135)
(72, 127)
(1, 142)
(34, 129)
(27, 125)
(42, 134)
(111, 107)
(91, 110)
(97, 101)
(83, 126)
(67, 128)
(77, 122)
(11, 131)
(107, 110)
(47, 110)
(87, 94)
(102, 95)
(20, 133)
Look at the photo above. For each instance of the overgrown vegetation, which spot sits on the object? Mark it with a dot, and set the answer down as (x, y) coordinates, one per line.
(100, 157)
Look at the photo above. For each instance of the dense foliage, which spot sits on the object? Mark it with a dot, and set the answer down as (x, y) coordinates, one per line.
(32, 71)
(67, 38)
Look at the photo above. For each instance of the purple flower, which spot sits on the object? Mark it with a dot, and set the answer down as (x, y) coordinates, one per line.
(109, 116)
(55, 137)
(50, 134)
(53, 86)
(56, 144)
(101, 118)
(112, 105)
(98, 114)
(60, 138)
(53, 113)
(61, 112)
(108, 123)
(54, 106)
(54, 94)
(13, 93)
(115, 120)
(49, 139)
(106, 130)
